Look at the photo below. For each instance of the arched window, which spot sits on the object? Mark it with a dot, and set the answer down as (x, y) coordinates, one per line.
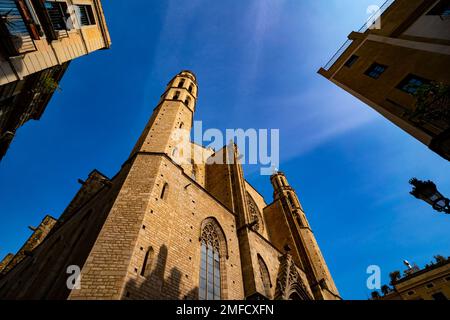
(291, 200)
(181, 83)
(279, 184)
(190, 88)
(194, 172)
(164, 191)
(210, 266)
(265, 276)
(176, 95)
(148, 261)
(187, 101)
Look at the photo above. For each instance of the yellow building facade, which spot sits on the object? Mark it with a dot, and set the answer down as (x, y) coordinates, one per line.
(387, 64)
(430, 283)
(39, 38)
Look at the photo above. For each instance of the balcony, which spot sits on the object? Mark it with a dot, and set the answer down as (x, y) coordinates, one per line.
(14, 33)
(369, 23)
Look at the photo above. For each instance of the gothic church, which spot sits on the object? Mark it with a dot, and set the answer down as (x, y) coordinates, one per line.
(163, 230)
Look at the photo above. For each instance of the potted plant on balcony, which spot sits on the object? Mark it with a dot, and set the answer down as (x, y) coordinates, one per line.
(395, 276)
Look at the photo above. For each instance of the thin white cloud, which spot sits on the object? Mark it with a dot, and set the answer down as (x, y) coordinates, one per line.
(261, 17)
(174, 32)
(313, 118)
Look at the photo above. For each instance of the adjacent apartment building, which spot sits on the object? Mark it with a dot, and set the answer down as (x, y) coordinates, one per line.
(430, 283)
(400, 66)
(39, 38)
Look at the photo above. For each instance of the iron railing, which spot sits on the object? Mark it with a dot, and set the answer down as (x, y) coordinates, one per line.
(369, 23)
(12, 19)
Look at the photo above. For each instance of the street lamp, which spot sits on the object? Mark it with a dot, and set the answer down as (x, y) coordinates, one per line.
(427, 191)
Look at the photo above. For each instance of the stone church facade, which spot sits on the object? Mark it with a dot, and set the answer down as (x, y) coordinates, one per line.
(163, 230)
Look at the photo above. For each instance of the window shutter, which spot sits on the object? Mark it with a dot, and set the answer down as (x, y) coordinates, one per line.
(31, 26)
(39, 6)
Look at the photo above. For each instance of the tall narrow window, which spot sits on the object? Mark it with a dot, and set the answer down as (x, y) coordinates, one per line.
(194, 172)
(147, 264)
(210, 278)
(190, 88)
(181, 83)
(85, 14)
(265, 276)
(164, 191)
(291, 200)
(279, 184)
(187, 101)
(58, 14)
(175, 153)
(181, 125)
(176, 96)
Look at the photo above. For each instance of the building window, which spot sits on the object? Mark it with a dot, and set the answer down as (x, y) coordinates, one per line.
(58, 14)
(439, 296)
(265, 276)
(181, 83)
(187, 101)
(35, 19)
(430, 285)
(190, 88)
(375, 70)
(194, 172)
(210, 271)
(351, 61)
(147, 264)
(175, 152)
(410, 293)
(176, 95)
(442, 9)
(291, 201)
(412, 83)
(164, 191)
(447, 279)
(85, 14)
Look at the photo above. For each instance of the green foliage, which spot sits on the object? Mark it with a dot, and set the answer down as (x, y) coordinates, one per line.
(395, 276)
(386, 290)
(433, 104)
(49, 85)
(375, 295)
(439, 258)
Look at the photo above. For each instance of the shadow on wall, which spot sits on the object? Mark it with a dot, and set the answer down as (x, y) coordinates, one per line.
(150, 284)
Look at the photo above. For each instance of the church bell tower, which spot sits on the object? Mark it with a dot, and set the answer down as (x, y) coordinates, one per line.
(174, 111)
(305, 247)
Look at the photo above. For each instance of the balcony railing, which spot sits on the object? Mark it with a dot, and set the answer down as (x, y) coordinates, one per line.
(14, 27)
(369, 23)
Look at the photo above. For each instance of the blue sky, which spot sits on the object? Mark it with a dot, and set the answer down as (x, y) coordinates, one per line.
(256, 61)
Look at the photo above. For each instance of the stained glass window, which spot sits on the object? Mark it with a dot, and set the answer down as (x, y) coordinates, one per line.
(210, 280)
